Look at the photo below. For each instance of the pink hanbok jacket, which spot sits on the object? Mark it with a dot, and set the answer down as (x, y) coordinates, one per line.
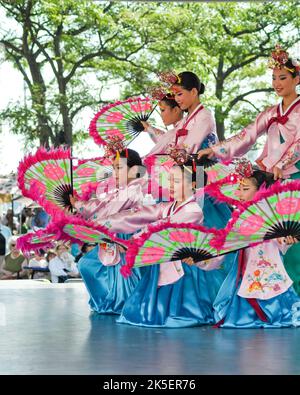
(275, 123)
(198, 129)
(129, 222)
(124, 198)
(127, 197)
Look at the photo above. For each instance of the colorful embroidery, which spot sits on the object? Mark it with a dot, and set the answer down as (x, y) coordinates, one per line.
(266, 277)
(290, 158)
(233, 139)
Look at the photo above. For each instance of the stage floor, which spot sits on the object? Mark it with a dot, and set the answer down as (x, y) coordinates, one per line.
(49, 329)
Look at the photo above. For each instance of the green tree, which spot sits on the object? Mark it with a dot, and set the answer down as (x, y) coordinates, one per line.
(70, 51)
(61, 45)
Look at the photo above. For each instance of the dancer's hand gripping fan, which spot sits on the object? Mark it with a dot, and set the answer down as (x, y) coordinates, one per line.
(167, 242)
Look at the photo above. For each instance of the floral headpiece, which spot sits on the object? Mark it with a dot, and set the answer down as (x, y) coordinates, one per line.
(279, 58)
(169, 78)
(180, 156)
(243, 167)
(160, 93)
(114, 146)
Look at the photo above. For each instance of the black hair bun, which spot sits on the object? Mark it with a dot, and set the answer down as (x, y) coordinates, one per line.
(202, 88)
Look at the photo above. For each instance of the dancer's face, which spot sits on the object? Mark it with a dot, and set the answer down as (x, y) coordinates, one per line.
(247, 189)
(168, 114)
(120, 171)
(185, 98)
(283, 82)
(180, 184)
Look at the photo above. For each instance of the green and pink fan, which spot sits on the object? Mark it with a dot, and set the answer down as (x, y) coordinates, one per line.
(218, 171)
(122, 120)
(169, 242)
(90, 172)
(274, 213)
(68, 228)
(36, 241)
(46, 177)
(88, 234)
(225, 190)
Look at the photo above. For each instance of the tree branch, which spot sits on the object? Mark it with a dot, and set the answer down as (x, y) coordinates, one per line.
(41, 49)
(8, 44)
(241, 32)
(21, 69)
(249, 102)
(240, 65)
(108, 7)
(242, 96)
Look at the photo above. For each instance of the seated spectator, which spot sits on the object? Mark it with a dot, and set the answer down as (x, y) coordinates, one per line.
(5, 236)
(12, 267)
(86, 247)
(60, 269)
(39, 261)
(10, 221)
(63, 251)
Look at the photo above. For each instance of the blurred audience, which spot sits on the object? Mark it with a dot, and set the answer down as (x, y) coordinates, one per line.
(12, 266)
(61, 264)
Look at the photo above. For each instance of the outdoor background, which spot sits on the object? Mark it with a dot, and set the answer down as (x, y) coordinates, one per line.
(61, 60)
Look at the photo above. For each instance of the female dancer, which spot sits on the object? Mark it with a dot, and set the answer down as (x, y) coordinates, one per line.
(100, 268)
(257, 291)
(281, 154)
(173, 294)
(195, 131)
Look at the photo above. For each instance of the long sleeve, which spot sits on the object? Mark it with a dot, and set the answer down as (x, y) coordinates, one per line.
(239, 144)
(109, 255)
(154, 133)
(123, 199)
(130, 221)
(163, 142)
(265, 276)
(88, 209)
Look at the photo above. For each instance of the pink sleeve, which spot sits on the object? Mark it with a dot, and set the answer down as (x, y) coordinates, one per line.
(291, 157)
(163, 143)
(130, 221)
(97, 209)
(239, 144)
(154, 133)
(203, 125)
(191, 213)
(169, 273)
(88, 209)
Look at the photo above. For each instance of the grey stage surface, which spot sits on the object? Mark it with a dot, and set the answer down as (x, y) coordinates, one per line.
(48, 329)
